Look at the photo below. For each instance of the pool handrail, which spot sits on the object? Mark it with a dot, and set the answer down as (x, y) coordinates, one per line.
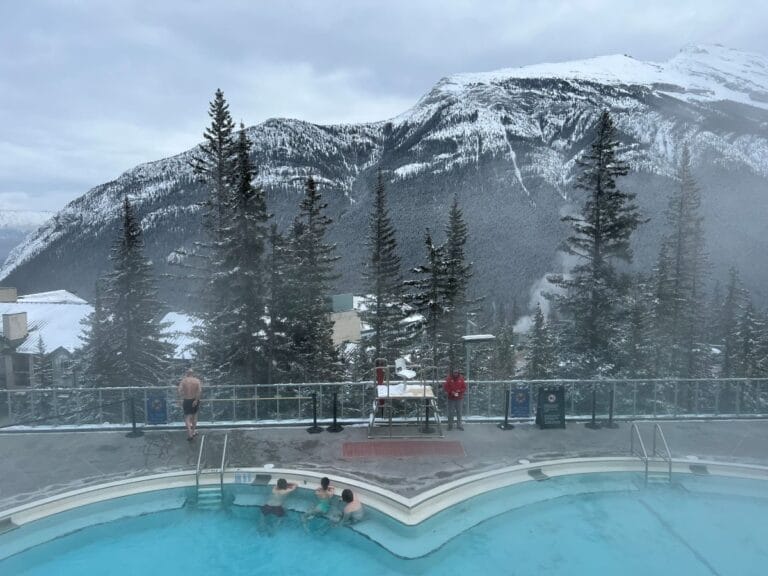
(643, 455)
(223, 463)
(666, 455)
(199, 460)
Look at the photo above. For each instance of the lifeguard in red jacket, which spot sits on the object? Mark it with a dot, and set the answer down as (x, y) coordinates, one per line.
(455, 387)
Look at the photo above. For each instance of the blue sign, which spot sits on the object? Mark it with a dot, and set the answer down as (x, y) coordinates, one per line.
(157, 409)
(520, 403)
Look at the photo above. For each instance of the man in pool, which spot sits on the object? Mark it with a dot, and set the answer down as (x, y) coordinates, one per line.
(274, 505)
(190, 392)
(324, 494)
(353, 508)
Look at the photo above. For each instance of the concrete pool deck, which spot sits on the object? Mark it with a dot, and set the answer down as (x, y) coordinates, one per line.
(41, 464)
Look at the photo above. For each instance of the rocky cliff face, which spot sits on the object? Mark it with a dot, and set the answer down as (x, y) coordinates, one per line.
(505, 142)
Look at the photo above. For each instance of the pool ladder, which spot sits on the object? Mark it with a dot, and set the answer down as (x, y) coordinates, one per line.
(659, 454)
(210, 496)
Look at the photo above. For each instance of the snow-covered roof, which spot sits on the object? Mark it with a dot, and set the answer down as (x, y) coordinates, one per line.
(54, 316)
(478, 338)
(57, 317)
(53, 297)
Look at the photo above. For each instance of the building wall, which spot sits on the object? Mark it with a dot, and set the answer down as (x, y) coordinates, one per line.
(346, 327)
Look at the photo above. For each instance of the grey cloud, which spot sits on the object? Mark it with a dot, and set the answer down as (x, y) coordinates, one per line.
(90, 88)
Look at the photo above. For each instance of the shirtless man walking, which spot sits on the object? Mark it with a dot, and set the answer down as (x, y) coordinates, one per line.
(190, 390)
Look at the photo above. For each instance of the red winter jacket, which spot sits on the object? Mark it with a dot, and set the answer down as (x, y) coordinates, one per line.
(455, 386)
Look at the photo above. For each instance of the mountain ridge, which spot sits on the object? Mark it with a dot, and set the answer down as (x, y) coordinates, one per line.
(507, 146)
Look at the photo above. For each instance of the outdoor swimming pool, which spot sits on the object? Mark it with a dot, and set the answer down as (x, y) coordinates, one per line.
(603, 523)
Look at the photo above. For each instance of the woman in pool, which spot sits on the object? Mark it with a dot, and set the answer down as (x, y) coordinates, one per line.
(324, 495)
(353, 508)
(274, 505)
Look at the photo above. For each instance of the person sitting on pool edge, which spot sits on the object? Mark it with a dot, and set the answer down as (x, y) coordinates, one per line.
(274, 505)
(324, 495)
(353, 508)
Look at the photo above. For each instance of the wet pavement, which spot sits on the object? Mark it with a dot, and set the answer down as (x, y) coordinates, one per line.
(39, 464)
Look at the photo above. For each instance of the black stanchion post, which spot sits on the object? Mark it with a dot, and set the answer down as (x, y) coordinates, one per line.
(426, 429)
(611, 423)
(335, 427)
(506, 425)
(315, 429)
(593, 424)
(135, 432)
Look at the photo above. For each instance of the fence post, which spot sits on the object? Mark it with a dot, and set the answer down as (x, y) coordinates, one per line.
(426, 429)
(611, 423)
(506, 425)
(335, 427)
(135, 432)
(593, 424)
(314, 429)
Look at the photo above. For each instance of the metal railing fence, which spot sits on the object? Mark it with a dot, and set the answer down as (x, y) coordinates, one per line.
(292, 403)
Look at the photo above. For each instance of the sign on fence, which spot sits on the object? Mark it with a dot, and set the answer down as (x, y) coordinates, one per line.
(157, 409)
(550, 408)
(520, 403)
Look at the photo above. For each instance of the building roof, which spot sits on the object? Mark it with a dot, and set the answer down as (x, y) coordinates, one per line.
(58, 316)
(55, 316)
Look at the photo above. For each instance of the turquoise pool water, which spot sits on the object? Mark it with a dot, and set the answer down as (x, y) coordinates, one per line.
(569, 525)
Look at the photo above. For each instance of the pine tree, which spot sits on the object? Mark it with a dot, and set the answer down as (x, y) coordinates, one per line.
(680, 277)
(426, 294)
(748, 343)
(240, 321)
(540, 359)
(592, 303)
(40, 402)
(215, 162)
(728, 324)
(312, 275)
(382, 279)
(638, 342)
(215, 165)
(277, 343)
(43, 365)
(505, 352)
(97, 355)
(457, 275)
(141, 354)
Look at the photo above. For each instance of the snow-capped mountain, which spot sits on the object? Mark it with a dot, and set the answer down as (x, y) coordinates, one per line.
(15, 225)
(505, 142)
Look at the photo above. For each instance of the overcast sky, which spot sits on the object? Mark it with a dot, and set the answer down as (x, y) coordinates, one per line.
(89, 89)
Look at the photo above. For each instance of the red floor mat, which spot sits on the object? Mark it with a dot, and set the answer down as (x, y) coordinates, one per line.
(397, 448)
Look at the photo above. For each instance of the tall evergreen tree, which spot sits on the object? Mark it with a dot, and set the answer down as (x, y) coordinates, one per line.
(426, 294)
(638, 341)
(130, 301)
(748, 343)
(457, 274)
(277, 343)
(680, 276)
(96, 356)
(592, 303)
(505, 352)
(728, 324)
(215, 165)
(240, 321)
(382, 279)
(313, 273)
(540, 358)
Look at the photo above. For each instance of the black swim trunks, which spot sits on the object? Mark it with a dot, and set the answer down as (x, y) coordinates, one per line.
(267, 509)
(189, 406)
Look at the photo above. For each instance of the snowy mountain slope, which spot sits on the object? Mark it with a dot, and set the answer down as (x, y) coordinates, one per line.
(505, 142)
(15, 225)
